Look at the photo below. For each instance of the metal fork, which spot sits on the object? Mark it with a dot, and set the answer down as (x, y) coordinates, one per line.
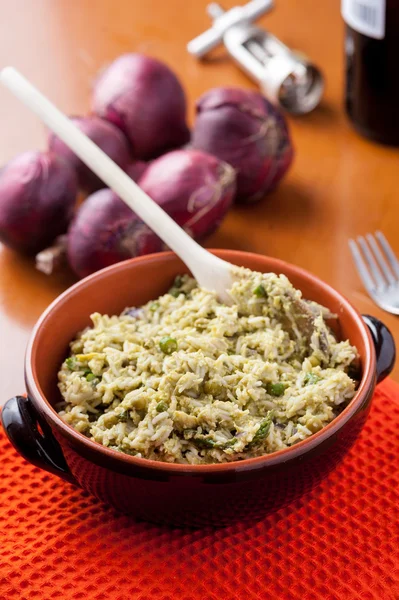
(378, 268)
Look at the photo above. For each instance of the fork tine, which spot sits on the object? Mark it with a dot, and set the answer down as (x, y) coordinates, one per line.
(370, 260)
(361, 267)
(380, 258)
(393, 261)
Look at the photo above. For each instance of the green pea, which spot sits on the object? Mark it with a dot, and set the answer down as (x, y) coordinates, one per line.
(275, 389)
(311, 378)
(90, 376)
(71, 363)
(168, 344)
(178, 282)
(260, 291)
(161, 407)
(123, 416)
(175, 290)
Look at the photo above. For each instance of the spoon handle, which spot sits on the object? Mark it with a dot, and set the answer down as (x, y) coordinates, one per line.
(153, 215)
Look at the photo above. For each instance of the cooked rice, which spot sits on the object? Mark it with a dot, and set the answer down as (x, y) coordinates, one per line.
(187, 379)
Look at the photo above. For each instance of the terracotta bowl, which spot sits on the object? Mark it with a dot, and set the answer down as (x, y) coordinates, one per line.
(182, 495)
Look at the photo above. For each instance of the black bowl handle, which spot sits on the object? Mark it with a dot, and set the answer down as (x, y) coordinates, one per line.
(384, 346)
(32, 437)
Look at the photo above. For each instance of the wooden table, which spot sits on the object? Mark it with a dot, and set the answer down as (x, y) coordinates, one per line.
(340, 185)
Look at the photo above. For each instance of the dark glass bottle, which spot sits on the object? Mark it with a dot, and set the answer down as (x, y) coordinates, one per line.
(372, 68)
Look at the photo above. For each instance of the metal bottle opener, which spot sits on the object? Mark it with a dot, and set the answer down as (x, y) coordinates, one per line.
(286, 77)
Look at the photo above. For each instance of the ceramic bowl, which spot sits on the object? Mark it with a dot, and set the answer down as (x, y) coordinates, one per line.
(176, 494)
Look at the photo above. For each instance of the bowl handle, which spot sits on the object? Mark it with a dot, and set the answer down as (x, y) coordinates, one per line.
(32, 437)
(384, 346)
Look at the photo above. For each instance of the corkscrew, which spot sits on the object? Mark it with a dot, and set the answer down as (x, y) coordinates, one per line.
(286, 77)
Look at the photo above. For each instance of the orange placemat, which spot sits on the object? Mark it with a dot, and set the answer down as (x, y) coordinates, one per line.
(338, 542)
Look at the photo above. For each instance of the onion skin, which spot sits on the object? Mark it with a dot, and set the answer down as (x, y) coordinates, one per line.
(195, 188)
(52, 259)
(244, 129)
(144, 98)
(105, 231)
(38, 194)
(108, 137)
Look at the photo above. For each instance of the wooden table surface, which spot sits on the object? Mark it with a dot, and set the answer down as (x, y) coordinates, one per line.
(340, 185)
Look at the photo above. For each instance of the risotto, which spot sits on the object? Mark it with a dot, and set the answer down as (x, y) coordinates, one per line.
(188, 379)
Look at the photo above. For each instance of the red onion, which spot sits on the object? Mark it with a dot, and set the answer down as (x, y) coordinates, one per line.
(193, 187)
(37, 197)
(105, 231)
(244, 129)
(108, 137)
(136, 169)
(143, 97)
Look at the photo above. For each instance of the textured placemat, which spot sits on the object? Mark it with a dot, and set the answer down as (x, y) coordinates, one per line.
(340, 541)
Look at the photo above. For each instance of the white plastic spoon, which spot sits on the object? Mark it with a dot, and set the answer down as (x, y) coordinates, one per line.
(210, 272)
